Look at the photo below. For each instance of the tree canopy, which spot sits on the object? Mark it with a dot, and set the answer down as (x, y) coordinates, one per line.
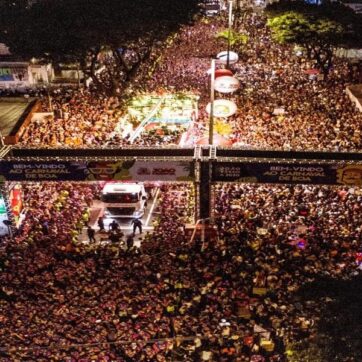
(236, 39)
(317, 28)
(80, 30)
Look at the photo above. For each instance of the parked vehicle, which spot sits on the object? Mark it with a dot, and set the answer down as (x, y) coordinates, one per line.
(126, 200)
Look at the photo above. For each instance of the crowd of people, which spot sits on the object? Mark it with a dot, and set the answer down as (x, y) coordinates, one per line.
(313, 114)
(284, 238)
(55, 211)
(230, 298)
(52, 266)
(81, 119)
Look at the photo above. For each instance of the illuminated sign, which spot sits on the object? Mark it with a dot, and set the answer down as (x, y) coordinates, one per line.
(287, 173)
(98, 171)
(6, 75)
(16, 201)
(222, 108)
(222, 57)
(226, 84)
(223, 72)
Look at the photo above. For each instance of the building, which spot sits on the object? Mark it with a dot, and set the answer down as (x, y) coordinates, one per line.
(17, 73)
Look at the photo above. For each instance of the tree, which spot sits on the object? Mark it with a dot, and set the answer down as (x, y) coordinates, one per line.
(237, 39)
(108, 39)
(319, 29)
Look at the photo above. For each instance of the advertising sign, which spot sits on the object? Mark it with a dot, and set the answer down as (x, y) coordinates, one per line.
(223, 72)
(140, 171)
(14, 74)
(2, 206)
(226, 84)
(222, 108)
(287, 173)
(16, 201)
(222, 57)
(132, 170)
(41, 171)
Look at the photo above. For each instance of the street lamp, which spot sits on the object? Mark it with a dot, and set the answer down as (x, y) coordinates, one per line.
(230, 87)
(229, 31)
(212, 99)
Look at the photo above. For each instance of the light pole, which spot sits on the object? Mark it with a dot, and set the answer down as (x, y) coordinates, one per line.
(229, 31)
(212, 99)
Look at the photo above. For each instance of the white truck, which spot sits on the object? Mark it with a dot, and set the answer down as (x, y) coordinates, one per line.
(124, 200)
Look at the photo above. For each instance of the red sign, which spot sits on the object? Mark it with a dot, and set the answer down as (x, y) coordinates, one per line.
(16, 201)
(223, 73)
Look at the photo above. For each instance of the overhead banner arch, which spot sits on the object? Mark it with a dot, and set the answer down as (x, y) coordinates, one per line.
(287, 173)
(132, 170)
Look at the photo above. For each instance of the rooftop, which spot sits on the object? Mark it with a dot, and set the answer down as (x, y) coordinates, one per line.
(11, 110)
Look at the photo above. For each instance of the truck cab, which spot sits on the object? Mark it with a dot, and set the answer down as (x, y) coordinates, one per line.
(124, 200)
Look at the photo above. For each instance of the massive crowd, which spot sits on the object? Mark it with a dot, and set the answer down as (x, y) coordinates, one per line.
(48, 255)
(81, 119)
(316, 114)
(231, 299)
(55, 211)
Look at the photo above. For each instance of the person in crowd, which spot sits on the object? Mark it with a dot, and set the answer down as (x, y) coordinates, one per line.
(130, 242)
(114, 226)
(137, 224)
(101, 224)
(114, 237)
(91, 234)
